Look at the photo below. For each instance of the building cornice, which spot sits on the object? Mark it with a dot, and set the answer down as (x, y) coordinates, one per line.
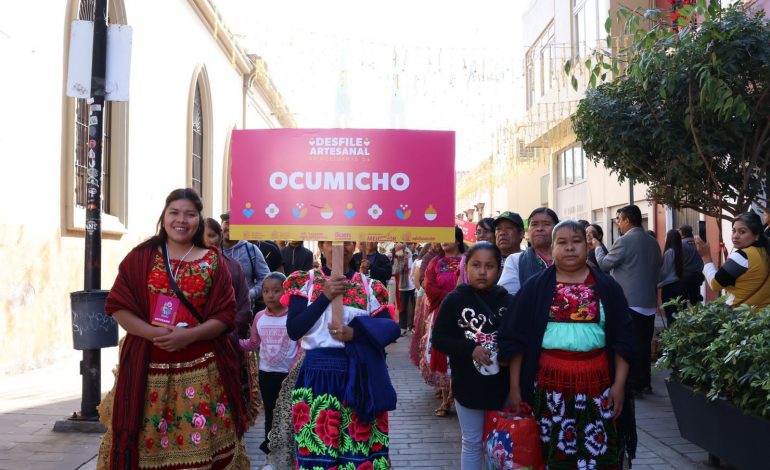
(254, 72)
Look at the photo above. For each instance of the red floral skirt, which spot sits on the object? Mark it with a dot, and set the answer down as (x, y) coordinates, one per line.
(576, 426)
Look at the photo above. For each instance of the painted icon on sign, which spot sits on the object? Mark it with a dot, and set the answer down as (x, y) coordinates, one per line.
(300, 211)
(248, 211)
(272, 210)
(349, 211)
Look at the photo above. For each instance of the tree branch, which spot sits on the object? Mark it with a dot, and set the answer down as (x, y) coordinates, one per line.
(698, 148)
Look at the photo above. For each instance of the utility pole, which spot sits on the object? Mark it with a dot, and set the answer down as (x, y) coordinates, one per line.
(90, 367)
(98, 70)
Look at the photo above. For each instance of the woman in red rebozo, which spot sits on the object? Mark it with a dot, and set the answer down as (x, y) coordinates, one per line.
(177, 402)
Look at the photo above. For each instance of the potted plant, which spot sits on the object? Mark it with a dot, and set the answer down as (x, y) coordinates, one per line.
(719, 387)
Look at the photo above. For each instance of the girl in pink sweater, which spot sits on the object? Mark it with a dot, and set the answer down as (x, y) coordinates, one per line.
(277, 352)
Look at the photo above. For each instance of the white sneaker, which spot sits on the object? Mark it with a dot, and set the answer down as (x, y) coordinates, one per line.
(268, 467)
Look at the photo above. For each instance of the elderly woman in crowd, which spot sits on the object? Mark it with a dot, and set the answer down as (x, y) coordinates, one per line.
(343, 383)
(569, 343)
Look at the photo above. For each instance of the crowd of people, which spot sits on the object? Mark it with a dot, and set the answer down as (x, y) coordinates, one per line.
(540, 313)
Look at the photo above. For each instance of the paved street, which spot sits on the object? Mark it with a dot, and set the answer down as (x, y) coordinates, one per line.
(30, 404)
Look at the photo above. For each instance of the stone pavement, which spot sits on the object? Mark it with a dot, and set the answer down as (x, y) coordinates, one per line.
(30, 403)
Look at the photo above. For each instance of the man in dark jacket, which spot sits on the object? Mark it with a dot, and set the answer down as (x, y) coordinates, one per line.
(373, 263)
(251, 260)
(296, 257)
(271, 253)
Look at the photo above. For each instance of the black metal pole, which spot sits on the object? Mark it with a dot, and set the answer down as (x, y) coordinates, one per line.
(630, 193)
(90, 367)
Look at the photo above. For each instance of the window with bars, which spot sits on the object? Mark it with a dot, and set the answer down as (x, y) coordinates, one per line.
(86, 12)
(197, 143)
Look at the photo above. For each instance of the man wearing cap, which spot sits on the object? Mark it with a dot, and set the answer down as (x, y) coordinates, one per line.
(251, 260)
(692, 266)
(536, 258)
(509, 231)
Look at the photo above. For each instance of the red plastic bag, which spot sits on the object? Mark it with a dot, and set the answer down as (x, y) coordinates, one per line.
(512, 441)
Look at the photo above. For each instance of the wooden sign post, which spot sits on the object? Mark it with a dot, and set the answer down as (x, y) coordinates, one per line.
(338, 257)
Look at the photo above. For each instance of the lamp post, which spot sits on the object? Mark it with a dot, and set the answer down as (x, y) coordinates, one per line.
(89, 303)
(91, 365)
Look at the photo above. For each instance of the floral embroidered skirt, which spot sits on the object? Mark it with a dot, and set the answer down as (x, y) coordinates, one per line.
(434, 376)
(187, 418)
(576, 426)
(327, 433)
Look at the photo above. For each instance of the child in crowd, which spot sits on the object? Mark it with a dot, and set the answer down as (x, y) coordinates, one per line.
(466, 330)
(277, 352)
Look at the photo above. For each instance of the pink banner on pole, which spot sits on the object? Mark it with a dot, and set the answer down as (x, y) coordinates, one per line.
(469, 230)
(342, 184)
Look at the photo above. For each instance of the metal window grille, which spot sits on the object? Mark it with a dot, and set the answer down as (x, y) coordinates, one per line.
(86, 12)
(197, 141)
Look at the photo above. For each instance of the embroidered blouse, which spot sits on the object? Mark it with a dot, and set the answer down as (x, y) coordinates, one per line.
(363, 297)
(575, 318)
(193, 278)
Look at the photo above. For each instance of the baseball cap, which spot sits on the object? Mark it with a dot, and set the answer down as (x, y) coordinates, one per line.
(225, 216)
(512, 217)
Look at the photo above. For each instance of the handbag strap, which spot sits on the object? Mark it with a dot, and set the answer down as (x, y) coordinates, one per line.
(175, 287)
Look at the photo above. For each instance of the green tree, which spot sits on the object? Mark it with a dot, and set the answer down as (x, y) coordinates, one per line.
(690, 115)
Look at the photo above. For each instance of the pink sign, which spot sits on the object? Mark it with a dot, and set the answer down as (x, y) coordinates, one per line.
(342, 184)
(469, 230)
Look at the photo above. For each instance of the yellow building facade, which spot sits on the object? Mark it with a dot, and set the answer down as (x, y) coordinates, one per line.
(191, 85)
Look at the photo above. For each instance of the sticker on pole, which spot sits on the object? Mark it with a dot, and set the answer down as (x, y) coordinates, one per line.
(342, 185)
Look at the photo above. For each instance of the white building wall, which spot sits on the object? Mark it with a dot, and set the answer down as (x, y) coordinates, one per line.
(43, 257)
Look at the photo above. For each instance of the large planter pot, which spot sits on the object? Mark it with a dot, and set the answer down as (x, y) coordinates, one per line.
(720, 428)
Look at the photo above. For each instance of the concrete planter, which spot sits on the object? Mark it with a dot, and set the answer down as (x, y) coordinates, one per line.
(720, 428)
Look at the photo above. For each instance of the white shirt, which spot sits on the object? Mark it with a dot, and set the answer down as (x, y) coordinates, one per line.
(510, 276)
(319, 336)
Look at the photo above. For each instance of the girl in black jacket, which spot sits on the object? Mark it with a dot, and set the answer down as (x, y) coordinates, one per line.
(466, 330)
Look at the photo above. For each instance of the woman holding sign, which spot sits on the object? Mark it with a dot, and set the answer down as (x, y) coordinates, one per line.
(177, 400)
(343, 391)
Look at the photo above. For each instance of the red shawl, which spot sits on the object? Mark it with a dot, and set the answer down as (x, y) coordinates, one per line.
(129, 292)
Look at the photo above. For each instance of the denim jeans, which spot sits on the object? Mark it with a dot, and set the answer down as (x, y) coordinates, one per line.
(472, 426)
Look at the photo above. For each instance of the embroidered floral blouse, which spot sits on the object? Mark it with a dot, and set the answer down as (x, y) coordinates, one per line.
(193, 278)
(363, 296)
(576, 318)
